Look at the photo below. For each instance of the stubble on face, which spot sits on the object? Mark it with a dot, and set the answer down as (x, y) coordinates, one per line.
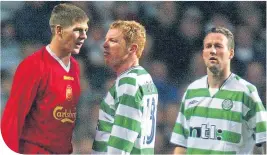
(214, 52)
(214, 69)
(114, 49)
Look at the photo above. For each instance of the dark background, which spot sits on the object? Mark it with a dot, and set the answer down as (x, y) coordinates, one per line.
(172, 55)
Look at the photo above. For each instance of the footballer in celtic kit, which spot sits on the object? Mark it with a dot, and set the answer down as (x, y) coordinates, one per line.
(228, 122)
(220, 113)
(127, 115)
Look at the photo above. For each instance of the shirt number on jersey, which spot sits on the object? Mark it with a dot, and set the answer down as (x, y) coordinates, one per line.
(151, 106)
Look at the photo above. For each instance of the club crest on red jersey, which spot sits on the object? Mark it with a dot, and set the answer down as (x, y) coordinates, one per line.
(69, 93)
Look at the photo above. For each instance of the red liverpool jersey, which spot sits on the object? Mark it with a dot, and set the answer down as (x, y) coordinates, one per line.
(41, 108)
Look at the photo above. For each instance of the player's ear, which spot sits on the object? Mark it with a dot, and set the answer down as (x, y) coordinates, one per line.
(133, 48)
(59, 30)
(232, 53)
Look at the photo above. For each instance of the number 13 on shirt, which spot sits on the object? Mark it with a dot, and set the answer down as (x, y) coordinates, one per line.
(149, 118)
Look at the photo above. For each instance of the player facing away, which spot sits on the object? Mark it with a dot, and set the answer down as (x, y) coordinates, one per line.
(127, 115)
(220, 113)
(40, 112)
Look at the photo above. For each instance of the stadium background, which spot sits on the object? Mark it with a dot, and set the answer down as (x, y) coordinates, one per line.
(172, 55)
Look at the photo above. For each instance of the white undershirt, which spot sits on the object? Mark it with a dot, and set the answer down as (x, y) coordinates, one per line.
(67, 68)
(213, 91)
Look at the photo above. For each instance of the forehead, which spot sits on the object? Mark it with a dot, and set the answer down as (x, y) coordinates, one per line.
(80, 25)
(114, 33)
(215, 37)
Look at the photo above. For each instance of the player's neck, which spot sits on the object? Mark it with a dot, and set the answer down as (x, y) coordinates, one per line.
(59, 52)
(125, 67)
(217, 80)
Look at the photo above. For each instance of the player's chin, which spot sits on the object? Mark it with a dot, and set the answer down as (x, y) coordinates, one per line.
(75, 51)
(214, 69)
(106, 62)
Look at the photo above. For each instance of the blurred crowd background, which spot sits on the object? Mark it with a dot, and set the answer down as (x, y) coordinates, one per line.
(172, 55)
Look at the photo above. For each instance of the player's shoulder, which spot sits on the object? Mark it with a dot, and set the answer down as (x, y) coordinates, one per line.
(137, 71)
(236, 83)
(199, 83)
(132, 76)
(239, 84)
(33, 60)
(32, 64)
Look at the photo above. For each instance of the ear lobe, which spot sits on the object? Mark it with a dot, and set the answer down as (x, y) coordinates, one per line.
(232, 53)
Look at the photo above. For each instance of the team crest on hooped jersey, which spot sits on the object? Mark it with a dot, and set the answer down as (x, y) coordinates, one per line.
(69, 93)
(227, 104)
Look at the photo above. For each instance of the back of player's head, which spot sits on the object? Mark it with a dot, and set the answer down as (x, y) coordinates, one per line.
(66, 15)
(227, 33)
(133, 32)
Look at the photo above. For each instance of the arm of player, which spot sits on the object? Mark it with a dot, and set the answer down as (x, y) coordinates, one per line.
(125, 129)
(23, 92)
(256, 116)
(179, 150)
(127, 119)
(180, 131)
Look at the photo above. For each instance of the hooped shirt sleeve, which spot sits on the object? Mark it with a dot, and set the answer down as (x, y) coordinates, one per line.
(256, 116)
(180, 130)
(127, 120)
(22, 95)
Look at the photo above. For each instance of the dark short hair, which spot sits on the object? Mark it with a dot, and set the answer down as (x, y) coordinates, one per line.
(65, 15)
(226, 32)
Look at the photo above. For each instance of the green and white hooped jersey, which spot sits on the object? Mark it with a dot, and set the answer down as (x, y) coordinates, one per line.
(127, 115)
(229, 122)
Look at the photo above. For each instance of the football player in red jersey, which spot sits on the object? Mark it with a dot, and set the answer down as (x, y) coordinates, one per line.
(40, 112)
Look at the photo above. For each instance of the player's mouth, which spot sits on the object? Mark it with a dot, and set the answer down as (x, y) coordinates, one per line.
(79, 44)
(106, 53)
(213, 59)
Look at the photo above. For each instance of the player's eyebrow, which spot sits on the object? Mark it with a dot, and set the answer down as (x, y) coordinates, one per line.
(80, 29)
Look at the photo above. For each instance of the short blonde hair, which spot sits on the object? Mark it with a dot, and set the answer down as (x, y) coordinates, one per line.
(65, 15)
(133, 32)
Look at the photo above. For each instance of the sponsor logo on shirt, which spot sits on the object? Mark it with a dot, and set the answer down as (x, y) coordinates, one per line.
(68, 93)
(212, 132)
(206, 132)
(64, 115)
(68, 78)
